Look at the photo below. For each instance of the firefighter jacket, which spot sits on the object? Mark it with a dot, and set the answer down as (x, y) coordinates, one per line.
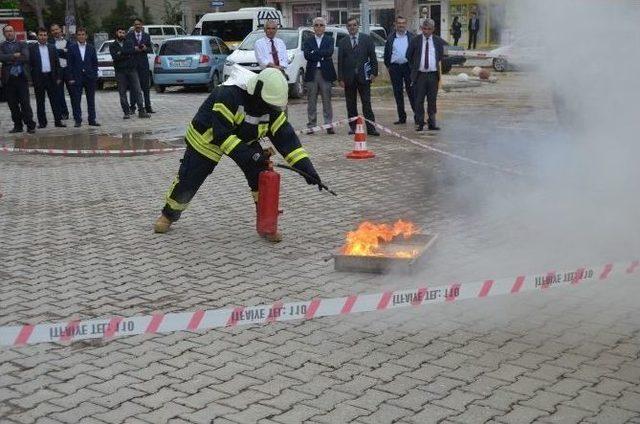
(231, 121)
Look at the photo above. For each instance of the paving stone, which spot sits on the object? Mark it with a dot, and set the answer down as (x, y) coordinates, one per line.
(298, 414)
(521, 414)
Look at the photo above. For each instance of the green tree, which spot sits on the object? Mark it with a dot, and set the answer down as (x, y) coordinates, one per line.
(9, 4)
(121, 15)
(147, 18)
(172, 13)
(85, 18)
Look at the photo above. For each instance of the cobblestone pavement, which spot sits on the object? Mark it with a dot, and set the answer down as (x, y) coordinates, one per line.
(77, 243)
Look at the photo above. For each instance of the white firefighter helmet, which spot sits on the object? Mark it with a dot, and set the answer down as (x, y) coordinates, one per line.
(272, 87)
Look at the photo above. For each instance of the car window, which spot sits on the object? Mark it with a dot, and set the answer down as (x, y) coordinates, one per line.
(214, 46)
(181, 47)
(155, 31)
(377, 40)
(169, 30)
(306, 35)
(231, 30)
(223, 47)
(330, 34)
(290, 38)
(381, 32)
(105, 47)
(341, 35)
(180, 31)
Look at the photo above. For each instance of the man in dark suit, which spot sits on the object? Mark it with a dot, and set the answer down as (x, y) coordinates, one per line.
(142, 46)
(395, 59)
(14, 56)
(320, 73)
(357, 69)
(121, 51)
(424, 54)
(473, 27)
(60, 43)
(83, 65)
(46, 76)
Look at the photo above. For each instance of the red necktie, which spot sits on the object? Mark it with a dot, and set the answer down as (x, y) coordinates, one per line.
(274, 53)
(426, 55)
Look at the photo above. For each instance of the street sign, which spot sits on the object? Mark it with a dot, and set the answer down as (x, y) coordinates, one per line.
(217, 3)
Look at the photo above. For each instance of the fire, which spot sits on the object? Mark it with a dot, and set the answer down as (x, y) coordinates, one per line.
(365, 241)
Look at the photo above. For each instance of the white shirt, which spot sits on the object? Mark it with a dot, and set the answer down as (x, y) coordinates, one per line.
(83, 49)
(432, 55)
(399, 50)
(262, 50)
(44, 58)
(318, 42)
(61, 44)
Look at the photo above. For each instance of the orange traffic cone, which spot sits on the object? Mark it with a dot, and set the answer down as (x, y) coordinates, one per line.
(360, 143)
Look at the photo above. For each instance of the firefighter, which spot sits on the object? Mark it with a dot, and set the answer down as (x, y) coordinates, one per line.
(230, 122)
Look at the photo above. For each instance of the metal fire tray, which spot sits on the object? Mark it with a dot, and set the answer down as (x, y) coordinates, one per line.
(385, 264)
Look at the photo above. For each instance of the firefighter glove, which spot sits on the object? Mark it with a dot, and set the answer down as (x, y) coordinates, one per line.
(261, 160)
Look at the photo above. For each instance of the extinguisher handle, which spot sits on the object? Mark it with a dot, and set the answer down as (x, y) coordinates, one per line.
(304, 174)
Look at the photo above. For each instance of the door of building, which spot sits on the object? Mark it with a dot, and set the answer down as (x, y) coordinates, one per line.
(434, 13)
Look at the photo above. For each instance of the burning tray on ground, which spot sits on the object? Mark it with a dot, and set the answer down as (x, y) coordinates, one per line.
(398, 255)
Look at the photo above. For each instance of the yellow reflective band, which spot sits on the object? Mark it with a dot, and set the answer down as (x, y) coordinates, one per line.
(229, 144)
(262, 129)
(176, 206)
(239, 117)
(281, 119)
(295, 156)
(255, 196)
(202, 143)
(224, 110)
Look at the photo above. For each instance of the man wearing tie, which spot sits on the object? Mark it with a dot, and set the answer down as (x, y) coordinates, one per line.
(474, 27)
(357, 69)
(270, 51)
(142, 46)
(46, 76)
(83, 65)
(424, 55)
(395, 52)
(60, 43)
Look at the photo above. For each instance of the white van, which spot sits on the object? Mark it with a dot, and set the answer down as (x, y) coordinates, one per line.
(159, 33)
(233, 27)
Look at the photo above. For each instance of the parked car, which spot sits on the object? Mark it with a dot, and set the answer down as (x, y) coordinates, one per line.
(190, 61)
(519, 55)
(293, 38)
(106, 72)
(159, 33)
(451, 58)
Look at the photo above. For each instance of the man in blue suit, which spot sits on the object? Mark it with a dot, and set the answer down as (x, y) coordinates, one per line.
(320, 73)
(83, 65)
(142, 46)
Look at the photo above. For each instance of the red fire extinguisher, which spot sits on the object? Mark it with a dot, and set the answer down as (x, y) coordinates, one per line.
(268, 204)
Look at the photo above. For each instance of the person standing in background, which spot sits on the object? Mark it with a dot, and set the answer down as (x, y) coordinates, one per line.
(320, 74)
(395, 50)
(357, 69)
(14, 56)
(60, 43)
(456, 30)
(121, 51)
(474, 27)
(270, 51)
(46, 76)
(142, 46)
(83, 65)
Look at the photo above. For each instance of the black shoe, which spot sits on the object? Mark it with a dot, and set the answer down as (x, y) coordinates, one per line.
(59, 124)
(94, 124)
(400, 122)
(143, 115)
(420, 127)
(77, 124)
(374, 134)
(132, 110)
(42, 126)
(434, 128)
(16, 130)
(149, 110)
(31, 130)
(309, 131)
(126, 116)
(331, 131)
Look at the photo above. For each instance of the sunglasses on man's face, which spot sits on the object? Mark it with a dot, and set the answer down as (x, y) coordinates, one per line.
(319, 25)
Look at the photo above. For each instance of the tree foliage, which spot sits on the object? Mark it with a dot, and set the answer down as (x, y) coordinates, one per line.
(147, 17)
(121, 15)
(172, 13)
(85, 18)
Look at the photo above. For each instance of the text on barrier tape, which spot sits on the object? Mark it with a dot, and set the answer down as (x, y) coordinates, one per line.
(109, 328)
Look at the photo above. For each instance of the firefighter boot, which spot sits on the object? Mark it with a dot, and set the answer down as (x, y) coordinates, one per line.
(162, 224)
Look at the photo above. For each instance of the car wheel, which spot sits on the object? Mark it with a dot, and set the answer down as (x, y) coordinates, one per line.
(500, 64)
(215, 81)
(100, 85)
(160, 88)
(297, 88)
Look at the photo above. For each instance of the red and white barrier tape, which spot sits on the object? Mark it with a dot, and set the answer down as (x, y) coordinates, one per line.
(444, 152)
(89, 152)
(109, 328)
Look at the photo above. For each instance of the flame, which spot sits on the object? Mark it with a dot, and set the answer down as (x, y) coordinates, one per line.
(365, 241)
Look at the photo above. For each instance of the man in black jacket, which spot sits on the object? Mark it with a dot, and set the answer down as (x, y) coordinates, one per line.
(14, 56)
(60, 43)
(46, 75)
(122, 54)
(395, 51)
(320, 73)
(473, 27)
(424, 54)
(357, 69)
(141, 47)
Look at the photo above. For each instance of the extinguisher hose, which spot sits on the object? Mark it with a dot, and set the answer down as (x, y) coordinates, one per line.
(304, 174)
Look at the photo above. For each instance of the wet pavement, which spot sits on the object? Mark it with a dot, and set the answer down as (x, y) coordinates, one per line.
(80, 246)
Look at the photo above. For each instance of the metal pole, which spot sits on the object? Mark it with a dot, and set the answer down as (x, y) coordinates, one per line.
(364, 16)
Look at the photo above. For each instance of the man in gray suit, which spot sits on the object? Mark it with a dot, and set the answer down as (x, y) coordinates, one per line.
(424, 54)
(357, 69)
